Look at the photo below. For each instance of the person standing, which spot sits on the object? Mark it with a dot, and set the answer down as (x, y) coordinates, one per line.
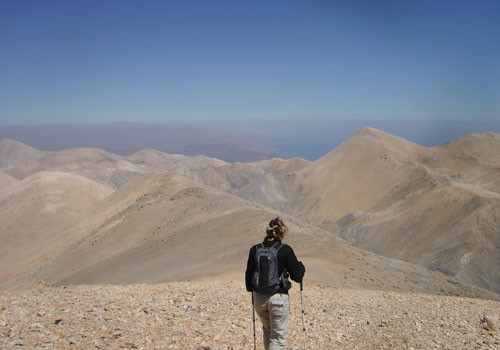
(268, 267)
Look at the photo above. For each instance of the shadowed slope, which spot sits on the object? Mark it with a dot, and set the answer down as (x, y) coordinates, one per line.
(452, 228)
(264, 182)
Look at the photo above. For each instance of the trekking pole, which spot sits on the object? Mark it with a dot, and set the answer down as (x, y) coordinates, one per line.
(303, 317)
(253, 311)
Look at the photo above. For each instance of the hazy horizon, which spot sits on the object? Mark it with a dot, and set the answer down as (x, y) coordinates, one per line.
(298, 138)
(286, 78)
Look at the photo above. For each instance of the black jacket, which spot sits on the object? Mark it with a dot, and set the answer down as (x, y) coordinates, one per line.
(286, 260)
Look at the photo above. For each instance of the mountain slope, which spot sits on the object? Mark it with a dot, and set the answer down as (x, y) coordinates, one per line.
(438, 206)
(472, 159)
(13, 153)
(453, 228)
(94, 164)
(37, 214)
(6, 181)
(153, 160)
(354, 176)
(433, 206)
(263, 182)
(179, 230)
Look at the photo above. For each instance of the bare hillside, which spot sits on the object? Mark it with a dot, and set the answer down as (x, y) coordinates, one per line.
(434, 206)
(438, 207)
(153, 160)
(472, 159)
(265, 182)
(95, 164)
(452, 228)
(218, 315)
(280, 166)
(173, 229)
(13, 153)
(36, 216)
(354, 176)
(107, 168)
(6, 181)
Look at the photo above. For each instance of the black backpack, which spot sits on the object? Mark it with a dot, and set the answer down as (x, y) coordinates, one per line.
(265, 279)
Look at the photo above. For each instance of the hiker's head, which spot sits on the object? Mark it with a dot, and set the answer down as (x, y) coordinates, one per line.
(277, 228)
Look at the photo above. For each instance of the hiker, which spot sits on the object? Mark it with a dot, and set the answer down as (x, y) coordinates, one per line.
(269, 264)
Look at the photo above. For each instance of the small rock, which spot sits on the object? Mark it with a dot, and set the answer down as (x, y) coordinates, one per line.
(487, 324)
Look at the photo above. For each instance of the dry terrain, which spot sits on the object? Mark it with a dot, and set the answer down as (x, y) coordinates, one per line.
(37, 215)
(217, 315)
(6, 181)
(164, 227)
(400, 242)
(438, 207)
(434, 206)
(13, 153)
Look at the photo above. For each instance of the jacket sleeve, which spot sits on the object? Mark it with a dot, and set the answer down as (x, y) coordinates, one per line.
(250, 269)
(294, 267)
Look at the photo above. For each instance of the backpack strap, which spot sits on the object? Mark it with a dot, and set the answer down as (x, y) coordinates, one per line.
(279, 244)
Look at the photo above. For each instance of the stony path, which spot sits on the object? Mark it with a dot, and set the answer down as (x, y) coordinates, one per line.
(218, 315)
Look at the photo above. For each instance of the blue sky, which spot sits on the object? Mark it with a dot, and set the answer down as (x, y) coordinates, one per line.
(159, 61)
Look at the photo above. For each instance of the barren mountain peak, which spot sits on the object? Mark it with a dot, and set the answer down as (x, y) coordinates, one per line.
(9, 142)
(381, 136)
(13, 153)
(373, 142)
(368, 130)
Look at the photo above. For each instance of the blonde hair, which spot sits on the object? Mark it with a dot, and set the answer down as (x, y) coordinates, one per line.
(277, 228)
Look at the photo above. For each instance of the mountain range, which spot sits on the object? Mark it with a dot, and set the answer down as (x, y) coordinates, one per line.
(377, 212)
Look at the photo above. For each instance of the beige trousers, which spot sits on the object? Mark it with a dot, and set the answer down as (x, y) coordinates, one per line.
(273, 312)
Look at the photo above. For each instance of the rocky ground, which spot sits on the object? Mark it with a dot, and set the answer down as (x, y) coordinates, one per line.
(218, 315)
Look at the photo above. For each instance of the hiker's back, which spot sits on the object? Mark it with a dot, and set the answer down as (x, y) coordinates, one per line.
(266, 279)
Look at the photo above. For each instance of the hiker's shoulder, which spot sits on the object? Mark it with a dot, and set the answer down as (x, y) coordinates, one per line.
(255, 246)
(285, 247)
